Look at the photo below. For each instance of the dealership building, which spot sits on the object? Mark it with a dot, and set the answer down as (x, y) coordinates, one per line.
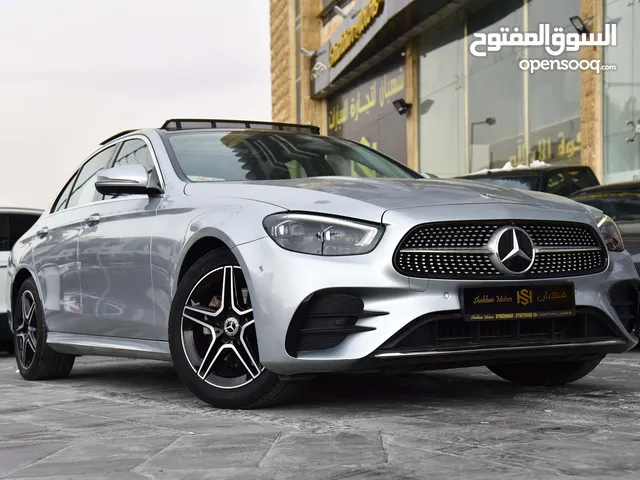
(399, 75)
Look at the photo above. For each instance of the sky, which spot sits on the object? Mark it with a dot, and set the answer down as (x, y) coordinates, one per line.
(74, 72)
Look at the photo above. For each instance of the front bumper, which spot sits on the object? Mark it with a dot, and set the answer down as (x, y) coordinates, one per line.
(281, 281)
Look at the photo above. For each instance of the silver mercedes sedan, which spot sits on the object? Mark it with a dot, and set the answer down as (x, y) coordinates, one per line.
(257, 255)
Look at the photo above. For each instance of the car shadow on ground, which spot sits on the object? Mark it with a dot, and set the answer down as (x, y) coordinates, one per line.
(465, 387)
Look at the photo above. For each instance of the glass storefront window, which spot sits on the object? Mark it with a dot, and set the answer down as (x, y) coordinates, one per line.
(621, 88)
(495, 89)
(441, 89)
(482, 112)
(554, 96)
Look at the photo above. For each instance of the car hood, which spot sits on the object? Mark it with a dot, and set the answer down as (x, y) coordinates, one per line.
(368, 198)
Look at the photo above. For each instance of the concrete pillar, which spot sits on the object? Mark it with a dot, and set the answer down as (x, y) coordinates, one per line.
(412, 53)
(591, 111)
(283, 80)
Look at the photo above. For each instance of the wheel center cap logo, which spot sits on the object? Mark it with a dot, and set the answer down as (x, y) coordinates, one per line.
(512, 250)
(231, 326)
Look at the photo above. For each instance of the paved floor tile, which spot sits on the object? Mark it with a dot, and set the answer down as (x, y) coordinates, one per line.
(123, 419)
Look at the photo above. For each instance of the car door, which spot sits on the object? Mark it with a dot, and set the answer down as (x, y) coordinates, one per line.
(115, 258)
(55, 252)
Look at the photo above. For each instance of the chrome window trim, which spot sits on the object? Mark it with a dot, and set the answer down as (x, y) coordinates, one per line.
(49, 210)
(115, 143)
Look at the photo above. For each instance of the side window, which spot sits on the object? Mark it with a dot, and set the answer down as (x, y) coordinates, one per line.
(5, 243)
(580, 178)
(84, 190)
(61, 202)
(12, 227)
(132, 152)
(135, 151)
(19, 223)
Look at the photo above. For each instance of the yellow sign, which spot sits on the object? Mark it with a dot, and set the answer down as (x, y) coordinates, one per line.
(367, 143)
(547, 149)
(350, 36)
(524, 296)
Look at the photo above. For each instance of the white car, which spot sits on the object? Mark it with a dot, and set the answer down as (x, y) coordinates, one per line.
(14, 222)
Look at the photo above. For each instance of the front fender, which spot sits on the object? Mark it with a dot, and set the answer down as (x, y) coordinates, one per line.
(19, 265)
(232, 221)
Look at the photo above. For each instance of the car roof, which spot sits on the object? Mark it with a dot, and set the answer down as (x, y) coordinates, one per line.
(610, 187)
(191, 124)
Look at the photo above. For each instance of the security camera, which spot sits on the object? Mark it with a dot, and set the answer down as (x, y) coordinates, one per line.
(343, 13)
(340, 11)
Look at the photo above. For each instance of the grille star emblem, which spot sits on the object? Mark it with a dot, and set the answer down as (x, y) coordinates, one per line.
(512, 250)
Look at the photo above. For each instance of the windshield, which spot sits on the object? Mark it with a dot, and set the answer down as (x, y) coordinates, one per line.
(259, 155)
(522, 182)
(620, 206)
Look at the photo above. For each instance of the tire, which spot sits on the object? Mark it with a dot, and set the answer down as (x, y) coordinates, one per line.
(546, 373)
(212, 338)
(35, 359)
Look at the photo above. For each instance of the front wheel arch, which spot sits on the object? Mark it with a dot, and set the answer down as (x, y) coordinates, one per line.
(21, 276)
(199, 249)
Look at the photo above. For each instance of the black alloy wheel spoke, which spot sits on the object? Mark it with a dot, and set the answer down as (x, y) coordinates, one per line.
(26, 340)
(223, 353)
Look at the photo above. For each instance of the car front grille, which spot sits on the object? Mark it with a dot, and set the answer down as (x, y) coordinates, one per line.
(460, 250)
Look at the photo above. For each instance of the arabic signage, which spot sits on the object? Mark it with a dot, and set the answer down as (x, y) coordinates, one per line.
(547, 36)
(350, 36)
(377, 24)
(366, 114)
(560, 143)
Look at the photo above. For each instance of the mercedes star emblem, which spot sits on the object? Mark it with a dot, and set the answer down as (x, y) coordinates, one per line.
(231, 326)
(512, 250)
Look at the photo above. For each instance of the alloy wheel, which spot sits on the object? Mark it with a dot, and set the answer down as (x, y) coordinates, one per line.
(26, 330)
(218, 330)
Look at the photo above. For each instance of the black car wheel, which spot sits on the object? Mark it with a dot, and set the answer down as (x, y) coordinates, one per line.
(35, 359)
(213, 340)
(546, 373)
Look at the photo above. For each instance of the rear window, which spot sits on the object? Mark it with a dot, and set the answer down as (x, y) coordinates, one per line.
(13, 226)
(521, 182)
(567, 182)
(620, 206)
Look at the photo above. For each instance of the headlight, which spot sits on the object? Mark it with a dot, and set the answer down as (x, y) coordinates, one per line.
(609, 232)
(319, 235)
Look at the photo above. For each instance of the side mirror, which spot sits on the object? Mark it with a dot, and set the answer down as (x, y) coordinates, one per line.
(126, 179)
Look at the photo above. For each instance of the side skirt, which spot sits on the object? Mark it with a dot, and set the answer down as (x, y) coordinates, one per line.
(108, 346)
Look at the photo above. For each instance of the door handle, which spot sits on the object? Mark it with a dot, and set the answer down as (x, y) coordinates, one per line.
(42, 232)
(92, 220)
